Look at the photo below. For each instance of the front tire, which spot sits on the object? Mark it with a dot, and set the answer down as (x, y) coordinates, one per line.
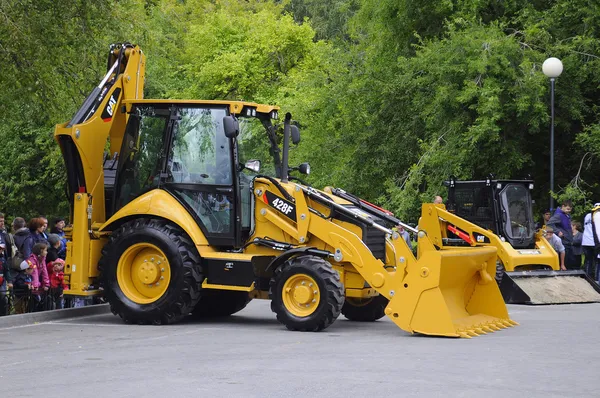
(151, 272)
(365, 310)
(306, 294)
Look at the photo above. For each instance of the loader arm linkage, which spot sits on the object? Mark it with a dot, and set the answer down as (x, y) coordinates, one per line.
(474, 235)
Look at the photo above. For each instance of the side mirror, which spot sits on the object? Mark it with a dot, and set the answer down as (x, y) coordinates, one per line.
(253, 165)
(304, 168)
(295, 131)
(231, 126)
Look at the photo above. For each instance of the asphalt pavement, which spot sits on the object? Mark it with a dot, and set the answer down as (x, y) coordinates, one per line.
(553, 353)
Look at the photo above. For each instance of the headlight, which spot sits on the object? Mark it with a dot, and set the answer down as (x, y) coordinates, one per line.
(304, 168)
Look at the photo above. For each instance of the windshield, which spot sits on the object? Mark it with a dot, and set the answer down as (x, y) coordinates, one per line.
(517, 205)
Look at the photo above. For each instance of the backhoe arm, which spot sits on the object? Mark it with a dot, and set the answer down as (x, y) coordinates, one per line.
(83, 141)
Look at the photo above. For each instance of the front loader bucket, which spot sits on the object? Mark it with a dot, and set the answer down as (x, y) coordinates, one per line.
(450, 293)
(549, 287)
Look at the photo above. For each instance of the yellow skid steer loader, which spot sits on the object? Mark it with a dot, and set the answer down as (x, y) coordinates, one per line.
(527, 269)
(177, 220)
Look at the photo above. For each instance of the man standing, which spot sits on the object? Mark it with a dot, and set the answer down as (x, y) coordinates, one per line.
(588, 246)
(405, 235)
(5, 242)
(2, 226)
(596, 234)
(545, 218)
(6, 277)
(438, 200)
(557, 245)
(561, 224)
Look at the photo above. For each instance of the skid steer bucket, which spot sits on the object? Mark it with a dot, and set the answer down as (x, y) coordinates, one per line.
(549, 287)
(450, 293)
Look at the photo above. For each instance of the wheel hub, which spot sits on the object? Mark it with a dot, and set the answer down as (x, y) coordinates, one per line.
(301, 295)
(149, 273)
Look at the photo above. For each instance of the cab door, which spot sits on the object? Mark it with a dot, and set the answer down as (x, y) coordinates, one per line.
(199, 172)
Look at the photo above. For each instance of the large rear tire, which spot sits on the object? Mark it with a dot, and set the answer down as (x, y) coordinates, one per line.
(220, 303)
(306, 294)
(365, 310)
(151, 272)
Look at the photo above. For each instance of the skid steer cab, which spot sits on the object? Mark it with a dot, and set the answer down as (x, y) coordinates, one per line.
(194, 212)
(527, 269)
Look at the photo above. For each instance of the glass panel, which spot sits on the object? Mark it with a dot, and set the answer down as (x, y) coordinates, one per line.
(143, 145)
(253, 144)
(201, 152)
(214, 209)
(246, 196)
(516, 203)
(473, 203)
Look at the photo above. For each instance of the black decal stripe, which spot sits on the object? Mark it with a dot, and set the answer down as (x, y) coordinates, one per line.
(283, 206)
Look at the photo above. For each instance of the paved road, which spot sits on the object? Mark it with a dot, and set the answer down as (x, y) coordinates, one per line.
(554, 353)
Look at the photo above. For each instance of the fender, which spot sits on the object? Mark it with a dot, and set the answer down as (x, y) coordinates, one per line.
(297, 252)
(161, 204)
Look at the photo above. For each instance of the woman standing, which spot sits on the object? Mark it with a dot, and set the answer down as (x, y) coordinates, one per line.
(36, 229)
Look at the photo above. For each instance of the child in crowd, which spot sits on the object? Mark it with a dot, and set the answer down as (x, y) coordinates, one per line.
(53, 248)
(59, 225)
(57, 282)
(22, 287)
(40, 281)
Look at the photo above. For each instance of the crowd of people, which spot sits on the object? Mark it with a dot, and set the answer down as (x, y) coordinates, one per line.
(32, 261)
(577, 244)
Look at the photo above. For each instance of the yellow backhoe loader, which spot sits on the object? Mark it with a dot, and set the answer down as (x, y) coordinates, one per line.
(175, 220)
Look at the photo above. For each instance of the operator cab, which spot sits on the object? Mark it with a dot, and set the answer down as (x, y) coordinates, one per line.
(502, 206)
(194, 151)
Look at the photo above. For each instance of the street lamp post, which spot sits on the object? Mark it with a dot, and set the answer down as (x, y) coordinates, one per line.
(552, 68)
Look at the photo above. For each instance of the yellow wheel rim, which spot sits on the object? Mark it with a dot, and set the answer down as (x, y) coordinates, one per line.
(143, 273)
(301, 295)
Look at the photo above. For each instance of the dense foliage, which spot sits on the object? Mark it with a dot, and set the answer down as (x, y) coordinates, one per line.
(392, 96)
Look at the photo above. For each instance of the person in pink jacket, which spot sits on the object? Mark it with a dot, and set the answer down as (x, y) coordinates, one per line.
(40, 279)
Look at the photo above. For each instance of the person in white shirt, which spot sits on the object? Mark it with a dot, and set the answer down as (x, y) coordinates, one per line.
(590, 243)
(596, 235)
(587, 243)
(557, 245)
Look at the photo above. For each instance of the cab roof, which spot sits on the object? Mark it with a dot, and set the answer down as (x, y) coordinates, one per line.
(235, 107)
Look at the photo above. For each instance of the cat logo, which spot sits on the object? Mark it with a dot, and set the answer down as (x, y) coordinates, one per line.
(111, 105)
(109, 110)
(228, 266)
